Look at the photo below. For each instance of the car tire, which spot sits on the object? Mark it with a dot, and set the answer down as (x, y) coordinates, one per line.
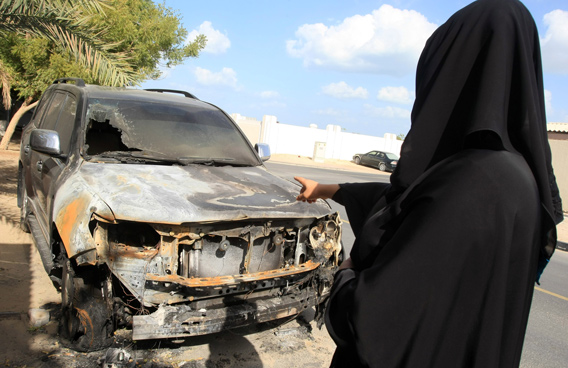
(24, 205)
(382, 166)
(86, 322)
(357, 160)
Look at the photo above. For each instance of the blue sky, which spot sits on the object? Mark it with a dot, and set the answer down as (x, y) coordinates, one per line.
(348, 63)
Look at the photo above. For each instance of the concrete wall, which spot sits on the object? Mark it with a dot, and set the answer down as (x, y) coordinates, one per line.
(297, 140)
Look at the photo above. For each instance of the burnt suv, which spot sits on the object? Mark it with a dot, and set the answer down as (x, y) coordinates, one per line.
(152, 210)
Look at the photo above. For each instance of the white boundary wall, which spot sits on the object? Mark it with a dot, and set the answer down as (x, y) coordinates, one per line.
(297, 140)
(559, 150)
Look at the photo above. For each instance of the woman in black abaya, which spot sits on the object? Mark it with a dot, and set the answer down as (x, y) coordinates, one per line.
(445, 258)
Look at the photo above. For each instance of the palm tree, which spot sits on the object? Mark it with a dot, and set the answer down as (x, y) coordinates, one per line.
(67, 24)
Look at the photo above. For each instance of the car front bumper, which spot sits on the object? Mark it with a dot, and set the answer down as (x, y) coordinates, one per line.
(175, 321)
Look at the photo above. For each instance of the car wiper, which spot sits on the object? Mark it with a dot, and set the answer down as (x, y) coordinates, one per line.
(132, 157)
(222, 161)
(156, 157)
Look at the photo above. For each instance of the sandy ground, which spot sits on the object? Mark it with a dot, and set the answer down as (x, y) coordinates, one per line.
(24, 285)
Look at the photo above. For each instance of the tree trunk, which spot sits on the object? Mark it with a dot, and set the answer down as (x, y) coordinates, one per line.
(14, 121)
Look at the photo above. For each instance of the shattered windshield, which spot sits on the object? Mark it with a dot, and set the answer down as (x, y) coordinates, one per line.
(164, 132)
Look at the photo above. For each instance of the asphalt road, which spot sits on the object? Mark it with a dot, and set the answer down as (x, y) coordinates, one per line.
(546, 341)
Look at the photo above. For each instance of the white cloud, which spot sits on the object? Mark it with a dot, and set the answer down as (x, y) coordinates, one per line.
(554, 45)
(217, 42)
(269, 94)
(226, 77)
(399, 95)
(343, 90)
(329, 112)
(273, 104)
(387, 41)
(388, 112)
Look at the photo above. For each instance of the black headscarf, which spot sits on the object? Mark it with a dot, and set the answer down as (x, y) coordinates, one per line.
(479, 85)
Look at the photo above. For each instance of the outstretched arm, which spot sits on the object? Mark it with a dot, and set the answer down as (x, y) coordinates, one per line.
(312, 190)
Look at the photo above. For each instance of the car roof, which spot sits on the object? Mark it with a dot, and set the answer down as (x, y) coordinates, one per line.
(127, 93)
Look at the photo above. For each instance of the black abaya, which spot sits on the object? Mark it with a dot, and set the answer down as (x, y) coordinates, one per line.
(452, 284)
(445, 258)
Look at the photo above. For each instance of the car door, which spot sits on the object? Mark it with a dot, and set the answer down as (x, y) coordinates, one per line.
(369, 158)
(65, 127)
(44, 168)
(27, 151)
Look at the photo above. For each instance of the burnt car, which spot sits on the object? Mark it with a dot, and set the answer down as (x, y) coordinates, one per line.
(384, 161)
(153, 211)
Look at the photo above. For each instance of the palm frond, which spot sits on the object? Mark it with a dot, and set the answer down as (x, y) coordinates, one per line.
(65, 23)
(53, 6)
(6, 81)
(112, 69)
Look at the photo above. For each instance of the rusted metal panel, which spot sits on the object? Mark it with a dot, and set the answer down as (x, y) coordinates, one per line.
(169, 272)
(233, 279)
(183, 321)
(73, 209)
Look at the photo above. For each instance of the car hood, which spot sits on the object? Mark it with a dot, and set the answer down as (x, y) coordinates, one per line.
(194, 193)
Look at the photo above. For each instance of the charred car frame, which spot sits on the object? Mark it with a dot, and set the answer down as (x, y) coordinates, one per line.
(153, 211)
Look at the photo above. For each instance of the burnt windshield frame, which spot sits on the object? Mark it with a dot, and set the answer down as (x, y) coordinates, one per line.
(196, 130)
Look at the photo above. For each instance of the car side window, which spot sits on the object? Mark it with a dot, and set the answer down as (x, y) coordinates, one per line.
(66, 123)
(50, 118)
(43, 103)
(381, 155)
(373, 153)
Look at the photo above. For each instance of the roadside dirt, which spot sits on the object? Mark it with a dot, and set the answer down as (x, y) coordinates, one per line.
(24, 285)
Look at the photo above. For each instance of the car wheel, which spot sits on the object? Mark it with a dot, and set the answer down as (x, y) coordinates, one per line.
(24, 207)
(86, 322)
(382, 166)
(357, 160)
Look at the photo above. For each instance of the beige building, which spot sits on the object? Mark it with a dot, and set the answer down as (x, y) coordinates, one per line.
(558, 138)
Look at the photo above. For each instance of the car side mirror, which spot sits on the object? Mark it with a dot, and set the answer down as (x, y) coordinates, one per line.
(263, 150)
(45, 141)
